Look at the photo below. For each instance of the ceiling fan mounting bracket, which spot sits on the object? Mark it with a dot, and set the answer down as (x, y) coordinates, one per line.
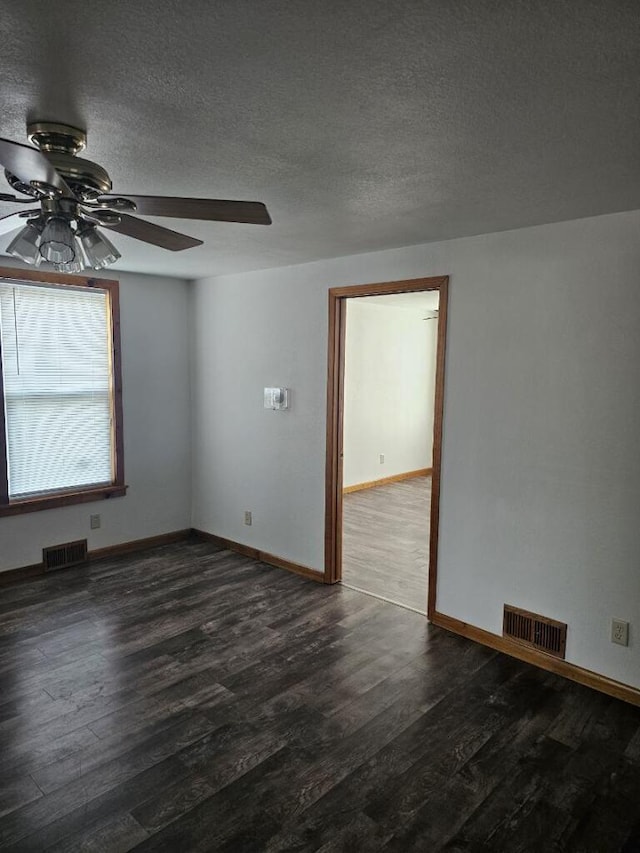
(52, 136)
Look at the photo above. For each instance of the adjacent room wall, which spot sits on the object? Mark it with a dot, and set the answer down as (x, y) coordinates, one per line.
(388, 391)
(156, 403)
(541, 460)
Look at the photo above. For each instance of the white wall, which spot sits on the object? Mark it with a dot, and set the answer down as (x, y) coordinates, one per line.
(389, 386)
(156, 403)
(541, 450)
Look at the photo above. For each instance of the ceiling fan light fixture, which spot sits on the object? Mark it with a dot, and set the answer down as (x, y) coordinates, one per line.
(25, 245)
(98, 251)
(57, 241)
(74, 196)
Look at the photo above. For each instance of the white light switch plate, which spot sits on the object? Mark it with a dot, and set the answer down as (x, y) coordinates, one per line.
(276, 398)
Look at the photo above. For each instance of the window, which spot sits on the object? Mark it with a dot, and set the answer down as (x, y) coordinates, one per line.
(61, 414)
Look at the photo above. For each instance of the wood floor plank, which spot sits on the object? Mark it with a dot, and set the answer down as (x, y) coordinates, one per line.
(68, 813)
(124, 775)
(57, 774)
(443, 789)
(116, 834)
(18, 792)
(175, 801)
(25, 754)
(188, 698)
(334, 813)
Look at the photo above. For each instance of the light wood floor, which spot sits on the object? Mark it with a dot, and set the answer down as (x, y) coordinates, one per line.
(385, 541)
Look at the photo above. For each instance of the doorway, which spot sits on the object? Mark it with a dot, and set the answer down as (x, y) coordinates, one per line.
(417, 494)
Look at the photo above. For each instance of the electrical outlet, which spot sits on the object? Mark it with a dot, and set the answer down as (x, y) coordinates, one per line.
(248, 519)
(620, 632)
(94, 521)
(382, 458)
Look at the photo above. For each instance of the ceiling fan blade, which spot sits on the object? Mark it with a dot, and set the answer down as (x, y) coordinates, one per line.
(11, 222)
(139, 229)
(28, 164)
(212, 209)
(14, 198)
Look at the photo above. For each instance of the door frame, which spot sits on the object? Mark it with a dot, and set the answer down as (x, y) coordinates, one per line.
(335, 417)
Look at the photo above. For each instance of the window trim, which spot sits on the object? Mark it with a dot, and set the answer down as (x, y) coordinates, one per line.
(117, 487)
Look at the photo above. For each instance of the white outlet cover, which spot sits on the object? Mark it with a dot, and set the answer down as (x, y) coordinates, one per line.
(620, 632)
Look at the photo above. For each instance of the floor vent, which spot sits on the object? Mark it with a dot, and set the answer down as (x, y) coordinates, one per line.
(535, 631)
(63, 556)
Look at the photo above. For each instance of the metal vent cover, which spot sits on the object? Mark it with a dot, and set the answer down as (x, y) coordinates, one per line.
(65, 555)
(534, 630)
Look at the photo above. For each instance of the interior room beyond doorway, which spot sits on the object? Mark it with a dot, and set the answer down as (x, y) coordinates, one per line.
(389, 390)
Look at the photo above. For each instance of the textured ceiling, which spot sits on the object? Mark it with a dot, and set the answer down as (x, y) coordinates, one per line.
(362, 125)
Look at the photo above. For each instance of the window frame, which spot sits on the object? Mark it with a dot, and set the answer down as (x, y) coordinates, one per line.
(74, 495)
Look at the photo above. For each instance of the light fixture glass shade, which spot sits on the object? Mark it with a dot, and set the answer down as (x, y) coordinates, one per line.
(56, 243)
(72, 266)
(77, 264)
(25, 244)
(98, 251)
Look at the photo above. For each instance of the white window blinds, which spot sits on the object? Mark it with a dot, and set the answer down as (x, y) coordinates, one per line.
(56, 365)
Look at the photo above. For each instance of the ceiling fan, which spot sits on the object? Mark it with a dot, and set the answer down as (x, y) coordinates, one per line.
(73, 198)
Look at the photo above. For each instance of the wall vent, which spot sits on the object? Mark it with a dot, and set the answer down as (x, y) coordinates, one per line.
(63, 556)
(538, 632)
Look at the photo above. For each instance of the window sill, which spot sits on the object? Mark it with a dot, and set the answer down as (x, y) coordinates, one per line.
(62, 499)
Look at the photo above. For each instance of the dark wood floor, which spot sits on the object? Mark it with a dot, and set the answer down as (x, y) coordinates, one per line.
(190, 699)
(385, 541)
